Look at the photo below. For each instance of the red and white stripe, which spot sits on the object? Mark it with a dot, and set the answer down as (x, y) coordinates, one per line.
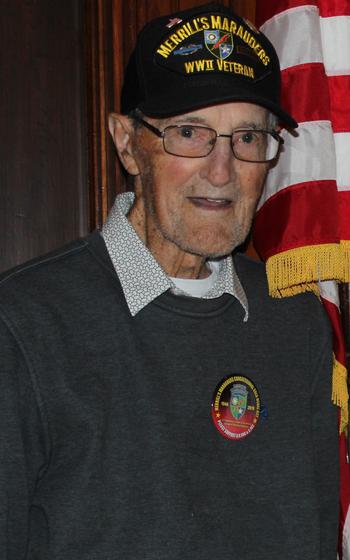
(307, 195)
(313, 43)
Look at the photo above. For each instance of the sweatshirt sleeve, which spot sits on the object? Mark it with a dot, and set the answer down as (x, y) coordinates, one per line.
(325, 436)
(22, 445)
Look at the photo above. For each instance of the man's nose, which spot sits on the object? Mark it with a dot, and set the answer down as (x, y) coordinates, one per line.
(220, 168)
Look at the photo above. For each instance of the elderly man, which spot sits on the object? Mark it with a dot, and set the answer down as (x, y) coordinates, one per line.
(156, 403)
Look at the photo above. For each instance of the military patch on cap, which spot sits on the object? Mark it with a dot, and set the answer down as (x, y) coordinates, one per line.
(214, 43)
(218, 43)
(200, 57)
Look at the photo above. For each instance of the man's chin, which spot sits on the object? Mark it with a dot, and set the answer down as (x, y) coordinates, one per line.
(216, 251)
(220, 243)
(208, 243)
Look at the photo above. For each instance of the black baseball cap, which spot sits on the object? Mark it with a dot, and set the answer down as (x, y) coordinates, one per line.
(200, 57)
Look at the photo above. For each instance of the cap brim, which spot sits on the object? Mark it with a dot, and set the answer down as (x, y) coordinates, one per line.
(192, 99)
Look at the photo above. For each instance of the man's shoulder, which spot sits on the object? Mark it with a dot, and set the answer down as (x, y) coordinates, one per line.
(304, 308)
(57, 269)
(39, 264)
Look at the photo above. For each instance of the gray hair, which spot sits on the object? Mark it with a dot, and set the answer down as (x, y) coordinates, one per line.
(134, 115)
(272, 121)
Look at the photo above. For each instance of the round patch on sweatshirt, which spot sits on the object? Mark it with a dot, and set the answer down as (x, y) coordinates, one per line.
(235, 407)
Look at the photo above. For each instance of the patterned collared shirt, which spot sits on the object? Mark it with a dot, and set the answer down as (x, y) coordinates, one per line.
(141, 277)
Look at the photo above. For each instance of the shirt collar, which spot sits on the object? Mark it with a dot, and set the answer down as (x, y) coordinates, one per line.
(141, 277)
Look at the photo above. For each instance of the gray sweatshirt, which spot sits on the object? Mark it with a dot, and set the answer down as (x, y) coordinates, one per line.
(108, 446)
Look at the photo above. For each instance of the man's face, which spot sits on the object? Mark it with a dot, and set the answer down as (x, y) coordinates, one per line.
(197, 206)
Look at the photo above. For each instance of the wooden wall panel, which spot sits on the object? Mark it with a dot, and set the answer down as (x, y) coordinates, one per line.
(61, 69)
(43, 196)
(100, 101)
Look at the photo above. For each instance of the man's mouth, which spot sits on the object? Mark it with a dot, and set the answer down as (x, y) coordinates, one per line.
(211, 203)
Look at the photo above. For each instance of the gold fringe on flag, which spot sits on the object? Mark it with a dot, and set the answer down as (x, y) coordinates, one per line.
(299, 270)
(345, 259)
(340, 395)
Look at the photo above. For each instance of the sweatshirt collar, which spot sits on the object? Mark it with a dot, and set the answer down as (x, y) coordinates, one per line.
(141, 277)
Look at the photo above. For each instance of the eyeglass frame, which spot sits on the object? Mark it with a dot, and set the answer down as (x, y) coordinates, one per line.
(161, 134)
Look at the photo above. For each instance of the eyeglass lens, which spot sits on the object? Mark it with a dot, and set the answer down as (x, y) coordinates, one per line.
(198, 141)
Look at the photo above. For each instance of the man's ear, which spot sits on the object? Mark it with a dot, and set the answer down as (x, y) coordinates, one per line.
(122, 130)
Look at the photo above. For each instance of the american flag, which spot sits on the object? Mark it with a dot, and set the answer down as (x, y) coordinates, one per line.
(302, 228)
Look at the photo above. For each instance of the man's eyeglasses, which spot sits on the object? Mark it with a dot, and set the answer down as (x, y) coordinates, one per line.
(192, 141)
